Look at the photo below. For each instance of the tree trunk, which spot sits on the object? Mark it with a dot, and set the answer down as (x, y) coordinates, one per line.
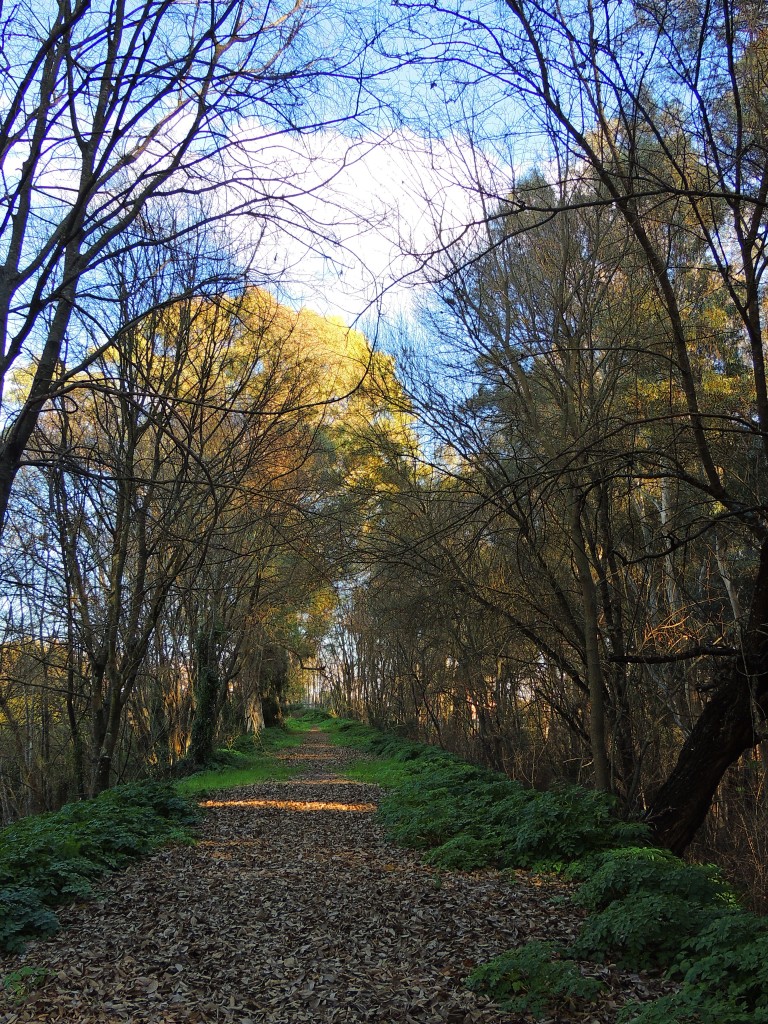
(271, 711)
(254, 719)
(726, 728)
(108, 742)
(724, 731)
(78, 752)
(206, 715)
(592, 652)
(273, 681)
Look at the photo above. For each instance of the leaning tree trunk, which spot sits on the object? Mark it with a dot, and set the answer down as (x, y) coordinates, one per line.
(727, 727)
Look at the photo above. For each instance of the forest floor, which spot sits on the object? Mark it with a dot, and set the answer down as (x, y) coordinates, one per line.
(293, 907)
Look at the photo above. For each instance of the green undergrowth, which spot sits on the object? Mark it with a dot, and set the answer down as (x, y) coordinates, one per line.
(469, 817)
(248, 761)
(49, 859)
(21, 983)
(645, 908)
(535, 979)
(303, 719)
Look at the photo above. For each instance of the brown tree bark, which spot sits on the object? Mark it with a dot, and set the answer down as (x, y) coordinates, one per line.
(728, 726)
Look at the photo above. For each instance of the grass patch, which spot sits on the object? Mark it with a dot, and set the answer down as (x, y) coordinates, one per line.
(303, 719)
(383, 772)
(345, 732)
(258, 770)
(248, 761)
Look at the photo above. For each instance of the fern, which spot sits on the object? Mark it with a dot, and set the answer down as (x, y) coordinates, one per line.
(48, 859)
(645, 930)
(624, 872)
(467, 853)
(689, 1006)
(533, 980)
(23, 916)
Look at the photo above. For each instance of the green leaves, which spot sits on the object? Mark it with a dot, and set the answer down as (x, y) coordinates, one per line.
(22, 916)
(724, 976)
(645, 930)
(477, 818)
(471, 817)
(617, 874)
(644, 905)
(49, 859)
(532, 979)
(466, 853)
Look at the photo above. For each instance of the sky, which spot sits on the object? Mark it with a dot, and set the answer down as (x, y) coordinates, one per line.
(362, 222)
(348, 219)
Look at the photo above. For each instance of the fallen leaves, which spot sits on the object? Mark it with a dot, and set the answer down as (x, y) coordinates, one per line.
(279, 915)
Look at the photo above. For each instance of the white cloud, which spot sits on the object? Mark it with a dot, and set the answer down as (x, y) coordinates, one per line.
(358, 224)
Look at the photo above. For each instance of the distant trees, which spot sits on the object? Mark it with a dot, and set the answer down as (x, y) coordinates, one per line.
(177, 542)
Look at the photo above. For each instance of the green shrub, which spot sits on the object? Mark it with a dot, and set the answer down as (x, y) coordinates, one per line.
(443, 801)
(248, 744)
(159, 797)
(309, 714)
(533, 980)
(645, 904)
(422, 824)
(466, 853)
(644, 930)
(22, 917)
(724, 977)
(564, 824)
(48, 859)
(647, 908)
(690, 1006)
(616, 874)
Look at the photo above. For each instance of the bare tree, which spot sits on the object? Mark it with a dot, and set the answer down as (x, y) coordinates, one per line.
(127, 126)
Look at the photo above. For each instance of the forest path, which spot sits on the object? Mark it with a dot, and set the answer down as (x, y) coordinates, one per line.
(292, 907)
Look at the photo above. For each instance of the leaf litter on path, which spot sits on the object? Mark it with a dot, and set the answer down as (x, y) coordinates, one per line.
(293, 907)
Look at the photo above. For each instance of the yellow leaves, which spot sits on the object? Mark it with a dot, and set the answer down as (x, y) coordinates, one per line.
(721, 393)
(736, 390)
(330, 358)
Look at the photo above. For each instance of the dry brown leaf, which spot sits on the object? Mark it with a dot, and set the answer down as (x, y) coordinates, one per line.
(294, 907)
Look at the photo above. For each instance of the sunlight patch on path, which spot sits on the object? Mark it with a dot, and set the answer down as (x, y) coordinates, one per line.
(293, 805)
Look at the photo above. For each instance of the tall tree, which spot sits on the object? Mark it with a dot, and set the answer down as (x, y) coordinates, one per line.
(663, 104)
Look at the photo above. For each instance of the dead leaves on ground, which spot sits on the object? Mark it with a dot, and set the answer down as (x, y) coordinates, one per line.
(291, 908)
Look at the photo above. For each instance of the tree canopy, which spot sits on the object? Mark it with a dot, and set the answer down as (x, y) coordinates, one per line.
(534, 529)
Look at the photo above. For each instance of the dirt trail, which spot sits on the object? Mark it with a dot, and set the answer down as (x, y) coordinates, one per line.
(292, 907)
